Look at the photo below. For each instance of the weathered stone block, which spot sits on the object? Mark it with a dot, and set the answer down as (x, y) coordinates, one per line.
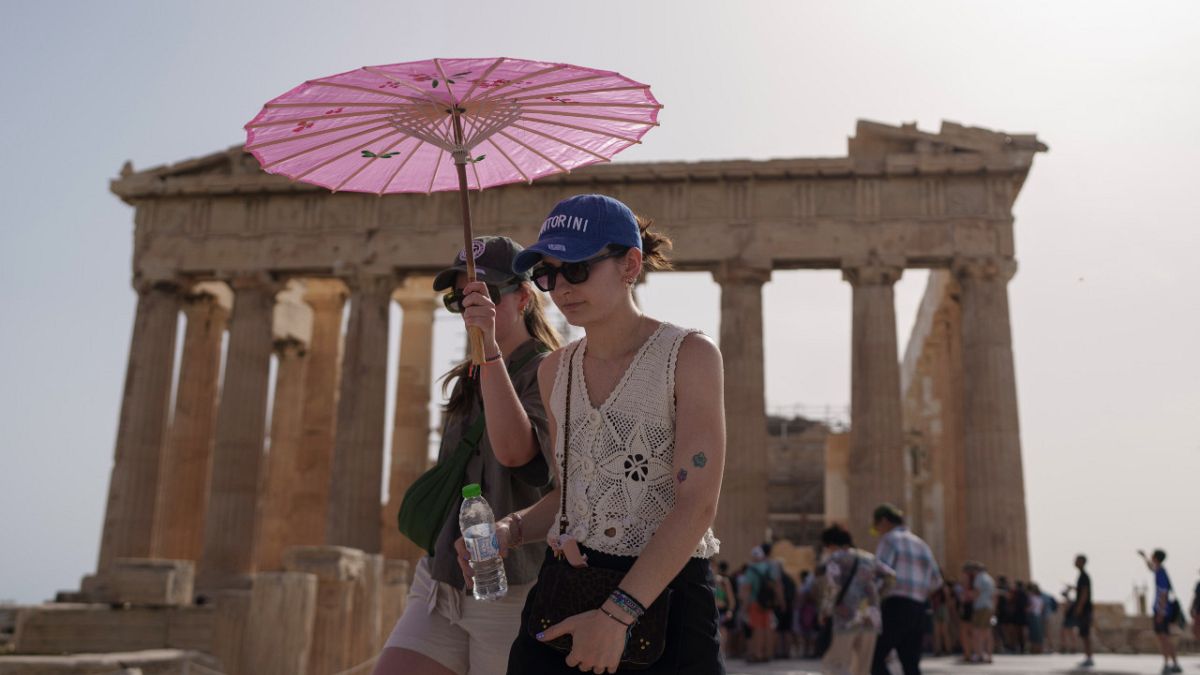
(149, 662)
(145, 582)
(151, 582)
(282, 611)
(55, 629)
(338, 570)
(392, 596)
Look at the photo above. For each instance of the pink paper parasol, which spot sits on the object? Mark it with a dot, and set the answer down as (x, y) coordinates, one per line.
(446, 124)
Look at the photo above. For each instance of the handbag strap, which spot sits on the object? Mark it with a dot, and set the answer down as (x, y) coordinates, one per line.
(846, 584)
(562, 512)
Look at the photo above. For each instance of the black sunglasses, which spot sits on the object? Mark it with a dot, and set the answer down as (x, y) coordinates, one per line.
(545, 276)
(453, 299)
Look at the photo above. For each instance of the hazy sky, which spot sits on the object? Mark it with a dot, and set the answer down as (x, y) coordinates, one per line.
(1106, 305)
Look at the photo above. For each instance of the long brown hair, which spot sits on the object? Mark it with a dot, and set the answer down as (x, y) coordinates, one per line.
(457, 383)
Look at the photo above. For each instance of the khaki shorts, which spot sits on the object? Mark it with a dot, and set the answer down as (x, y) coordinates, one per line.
(456, 630)
(982, 618)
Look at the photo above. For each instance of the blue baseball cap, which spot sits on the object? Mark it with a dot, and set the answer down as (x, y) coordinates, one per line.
(579, 228)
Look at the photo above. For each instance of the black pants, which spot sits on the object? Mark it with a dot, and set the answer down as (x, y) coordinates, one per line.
(693, 639)
(903, 630)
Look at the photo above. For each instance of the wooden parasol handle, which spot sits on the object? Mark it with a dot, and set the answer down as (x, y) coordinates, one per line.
(461, 156)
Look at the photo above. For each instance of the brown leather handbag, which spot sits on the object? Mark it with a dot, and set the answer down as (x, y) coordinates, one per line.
(563, 591)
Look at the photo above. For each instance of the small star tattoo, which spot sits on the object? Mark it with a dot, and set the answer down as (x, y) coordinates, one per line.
(699, 460)
(681, 476)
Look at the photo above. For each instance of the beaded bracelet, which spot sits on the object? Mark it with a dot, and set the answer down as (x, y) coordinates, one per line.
(493, 359)
(627, 603)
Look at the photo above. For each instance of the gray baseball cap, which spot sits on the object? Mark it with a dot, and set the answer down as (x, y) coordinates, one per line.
(493, 263)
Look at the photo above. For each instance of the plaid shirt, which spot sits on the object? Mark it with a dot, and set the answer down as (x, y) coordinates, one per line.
(917, 573)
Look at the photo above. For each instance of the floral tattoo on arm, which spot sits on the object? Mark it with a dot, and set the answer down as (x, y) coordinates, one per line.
(699, 460)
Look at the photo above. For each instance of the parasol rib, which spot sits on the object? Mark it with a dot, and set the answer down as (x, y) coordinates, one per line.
(581, 91)
(510, 160)
(392, 79)
(326, 104)
(370, 161)
(535, 151)
(313, 118)
(475, 170)
(335, 158)
(560, 140)
(437, 63)
(398, 168)
(289, 139)
(595, 104)
(326, 145)
(490, 93)
(355, 87)
(598, 132)
(482, 78)
(605, 118)
(436, 165)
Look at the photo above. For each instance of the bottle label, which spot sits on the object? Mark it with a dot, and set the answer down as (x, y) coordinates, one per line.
(482, 542)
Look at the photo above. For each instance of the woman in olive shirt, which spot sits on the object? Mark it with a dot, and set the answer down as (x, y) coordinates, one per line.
(444, 630)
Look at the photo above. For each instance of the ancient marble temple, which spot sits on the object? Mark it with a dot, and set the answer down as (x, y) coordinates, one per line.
(284, 520)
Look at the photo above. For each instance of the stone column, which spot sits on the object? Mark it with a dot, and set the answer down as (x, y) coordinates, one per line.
(230, 525)
(410, 434)
(995, 486)
(314, 459)
(133, 487)
(279, 478)
(187, 457)
(741, 521)
(292, 332)
(877, 472)
(357, 479)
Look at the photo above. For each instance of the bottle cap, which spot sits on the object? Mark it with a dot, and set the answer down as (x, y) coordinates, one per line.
(472, 490)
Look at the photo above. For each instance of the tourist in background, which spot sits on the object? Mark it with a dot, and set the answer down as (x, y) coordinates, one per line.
(1019, 616)
(1081, 610)
(1003, 623)
(1195, 611)
(983, 610)
(1035, 613)
(964, 593)
(903, 607)
(1068, 639)
(855, 583)
(807, 610)
(785, 619)
(1165, 609)
(725, 597)
(943, 606)
(760, 593)
(1052, 622)
(444, 629)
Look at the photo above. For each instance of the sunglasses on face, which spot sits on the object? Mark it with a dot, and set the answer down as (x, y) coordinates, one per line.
(453, 299)
(545, 277)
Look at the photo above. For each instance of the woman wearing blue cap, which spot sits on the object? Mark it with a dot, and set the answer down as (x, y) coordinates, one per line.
(637, 414)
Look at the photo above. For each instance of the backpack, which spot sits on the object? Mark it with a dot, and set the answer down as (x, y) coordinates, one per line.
(768, 591)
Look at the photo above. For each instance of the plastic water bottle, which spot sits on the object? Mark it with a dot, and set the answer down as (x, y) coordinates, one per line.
(478, 527)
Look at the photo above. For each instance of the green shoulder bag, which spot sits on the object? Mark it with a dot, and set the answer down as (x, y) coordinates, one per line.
(430, 499)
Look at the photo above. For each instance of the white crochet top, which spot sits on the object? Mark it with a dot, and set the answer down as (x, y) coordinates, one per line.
(620, 483)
